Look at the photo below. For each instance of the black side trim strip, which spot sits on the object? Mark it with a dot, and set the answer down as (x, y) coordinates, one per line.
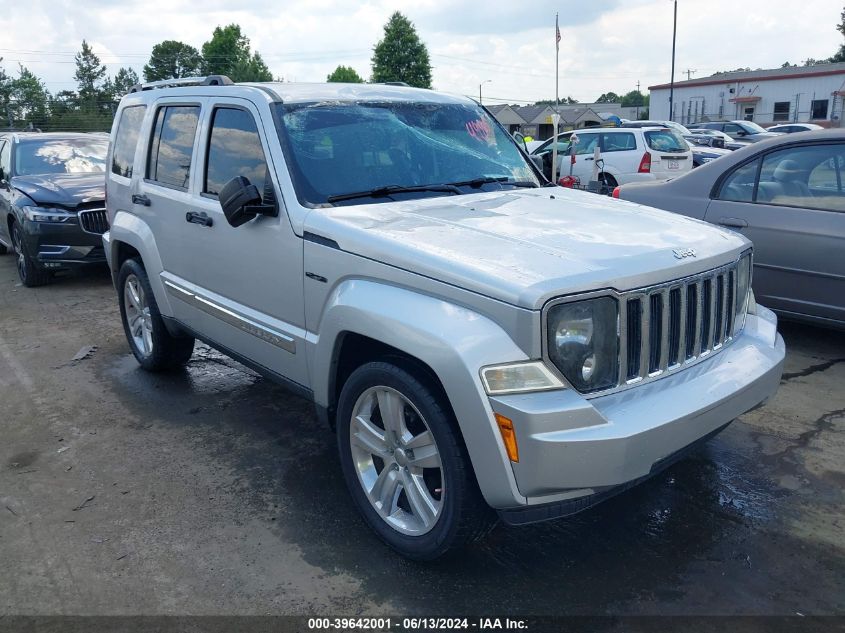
(294, 387)
(319, 239)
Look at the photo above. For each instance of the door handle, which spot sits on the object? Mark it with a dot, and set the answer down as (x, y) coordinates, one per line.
(139, 198)
(590, 158)
(734, 223)
(198, 218)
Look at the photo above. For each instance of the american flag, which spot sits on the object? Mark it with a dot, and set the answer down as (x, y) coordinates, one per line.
(557, 35)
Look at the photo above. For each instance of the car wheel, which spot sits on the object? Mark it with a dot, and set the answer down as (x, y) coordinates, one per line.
(153, 346)
(405, 463)
(609, 180)
(30, 273)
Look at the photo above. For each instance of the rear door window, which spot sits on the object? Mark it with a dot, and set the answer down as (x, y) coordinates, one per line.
(618, 142)
(126, 140)
(586, 144)
(234, 149)
(172, 145)
(739, 186)
(809, 176)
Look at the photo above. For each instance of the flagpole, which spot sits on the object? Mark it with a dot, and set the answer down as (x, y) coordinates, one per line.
(556, 115)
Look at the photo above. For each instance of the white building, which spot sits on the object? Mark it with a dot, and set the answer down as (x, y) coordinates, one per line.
(796, 94)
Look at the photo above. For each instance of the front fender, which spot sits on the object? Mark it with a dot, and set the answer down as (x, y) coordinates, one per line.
(453, 341)
(131, 230)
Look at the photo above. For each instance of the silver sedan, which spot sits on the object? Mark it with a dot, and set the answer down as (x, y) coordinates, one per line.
(787, 195)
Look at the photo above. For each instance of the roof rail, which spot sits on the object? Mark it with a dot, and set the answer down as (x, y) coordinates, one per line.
(210, 80)
(395, 83)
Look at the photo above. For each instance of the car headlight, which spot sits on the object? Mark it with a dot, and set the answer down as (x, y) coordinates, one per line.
(40, 214)
(582, 338)
(743, 289)
(706, 159)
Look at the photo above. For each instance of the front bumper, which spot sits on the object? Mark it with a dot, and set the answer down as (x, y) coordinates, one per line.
(575, 451)
(56, 246)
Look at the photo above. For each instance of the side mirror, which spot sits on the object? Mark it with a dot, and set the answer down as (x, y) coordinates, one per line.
(742, 133)
(519, 137)
(241, 202)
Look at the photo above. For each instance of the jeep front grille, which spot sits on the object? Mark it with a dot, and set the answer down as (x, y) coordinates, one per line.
(664, 327)
(94, 221)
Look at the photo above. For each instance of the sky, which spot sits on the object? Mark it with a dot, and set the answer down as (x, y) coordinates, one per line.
(509, 47)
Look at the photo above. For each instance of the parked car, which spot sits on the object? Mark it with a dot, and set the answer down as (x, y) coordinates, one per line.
(627, 154)
(738, 130)
(475, 340)
(704, 140)
(702, 155)
(787, 195)
(52, 208)
(719, 139)
(792, 128)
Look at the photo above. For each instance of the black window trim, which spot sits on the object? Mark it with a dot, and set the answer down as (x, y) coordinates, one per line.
(224, 105)
(152, 134)
(111, 171)
(717, 186)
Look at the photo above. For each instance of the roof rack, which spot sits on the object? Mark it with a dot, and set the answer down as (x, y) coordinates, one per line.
(210, 80)
(395, 83)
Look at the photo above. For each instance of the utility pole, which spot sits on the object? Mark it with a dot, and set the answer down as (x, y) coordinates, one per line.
(486, 81)
(639, 94)
(672, 80)
(690, 73)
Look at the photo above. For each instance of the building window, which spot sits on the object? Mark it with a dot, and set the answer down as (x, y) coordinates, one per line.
(781, 111)
(819, 109)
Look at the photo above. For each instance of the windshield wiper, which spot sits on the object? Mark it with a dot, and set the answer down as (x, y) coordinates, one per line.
(476, 183)
(388, 190)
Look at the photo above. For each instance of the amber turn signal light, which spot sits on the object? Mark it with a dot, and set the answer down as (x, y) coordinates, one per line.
(508, 436)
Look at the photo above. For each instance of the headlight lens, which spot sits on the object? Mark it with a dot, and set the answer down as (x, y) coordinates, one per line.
(40, 214)
(583, 342)
(743, 287)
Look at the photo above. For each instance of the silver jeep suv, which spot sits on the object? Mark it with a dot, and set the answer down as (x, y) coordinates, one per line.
(482, 344)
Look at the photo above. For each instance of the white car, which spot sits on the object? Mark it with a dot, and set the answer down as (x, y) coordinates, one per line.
(627, 154)
(791, 128)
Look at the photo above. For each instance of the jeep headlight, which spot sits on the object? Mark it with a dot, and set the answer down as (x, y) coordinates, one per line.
(41, 214)
(583, 342)
(743, 289)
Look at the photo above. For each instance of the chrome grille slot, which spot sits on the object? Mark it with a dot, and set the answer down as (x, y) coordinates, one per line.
(655, 332)
(632, 348)
(94, 221)
(706, 314)
(691, 320)
(674, 326)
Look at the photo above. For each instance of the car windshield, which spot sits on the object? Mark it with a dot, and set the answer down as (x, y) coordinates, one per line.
(341, 151)
(751, 127)
(61, 156)
(666, 141)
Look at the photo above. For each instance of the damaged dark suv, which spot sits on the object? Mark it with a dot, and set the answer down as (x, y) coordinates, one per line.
(52, 201)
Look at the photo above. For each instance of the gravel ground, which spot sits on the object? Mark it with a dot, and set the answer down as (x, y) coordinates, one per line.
(213, 491)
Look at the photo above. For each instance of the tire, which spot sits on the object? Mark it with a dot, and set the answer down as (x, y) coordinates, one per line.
(30, 273)
(153, 346)
(609, 180)
(430, 501)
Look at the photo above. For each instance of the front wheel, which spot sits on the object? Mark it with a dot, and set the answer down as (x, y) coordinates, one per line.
(31, 275)
(405, 464)
(153, 346)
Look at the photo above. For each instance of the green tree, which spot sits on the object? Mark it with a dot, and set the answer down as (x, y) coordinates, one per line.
(401, 55)
(839, 56)
(633, 99)
(171, 59)
(29, 100)
(228, 53)
(89, 73)
(551, 102)
(5, 98)
(345, 75)
(609, 97)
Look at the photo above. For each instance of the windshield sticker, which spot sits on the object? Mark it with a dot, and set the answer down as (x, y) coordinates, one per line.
(480, 130)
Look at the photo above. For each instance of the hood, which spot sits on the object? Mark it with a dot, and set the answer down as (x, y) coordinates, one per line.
(525, 247)
(65, 190)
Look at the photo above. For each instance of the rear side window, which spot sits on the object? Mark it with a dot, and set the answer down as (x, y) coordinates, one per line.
(172, 145)
(619, 142)
(586, 144)
(126, 140)
(666, 141)
(234, 149)
(739, 186)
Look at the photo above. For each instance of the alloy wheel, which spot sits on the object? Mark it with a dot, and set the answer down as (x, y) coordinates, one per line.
(138, 316)
(397, 460)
